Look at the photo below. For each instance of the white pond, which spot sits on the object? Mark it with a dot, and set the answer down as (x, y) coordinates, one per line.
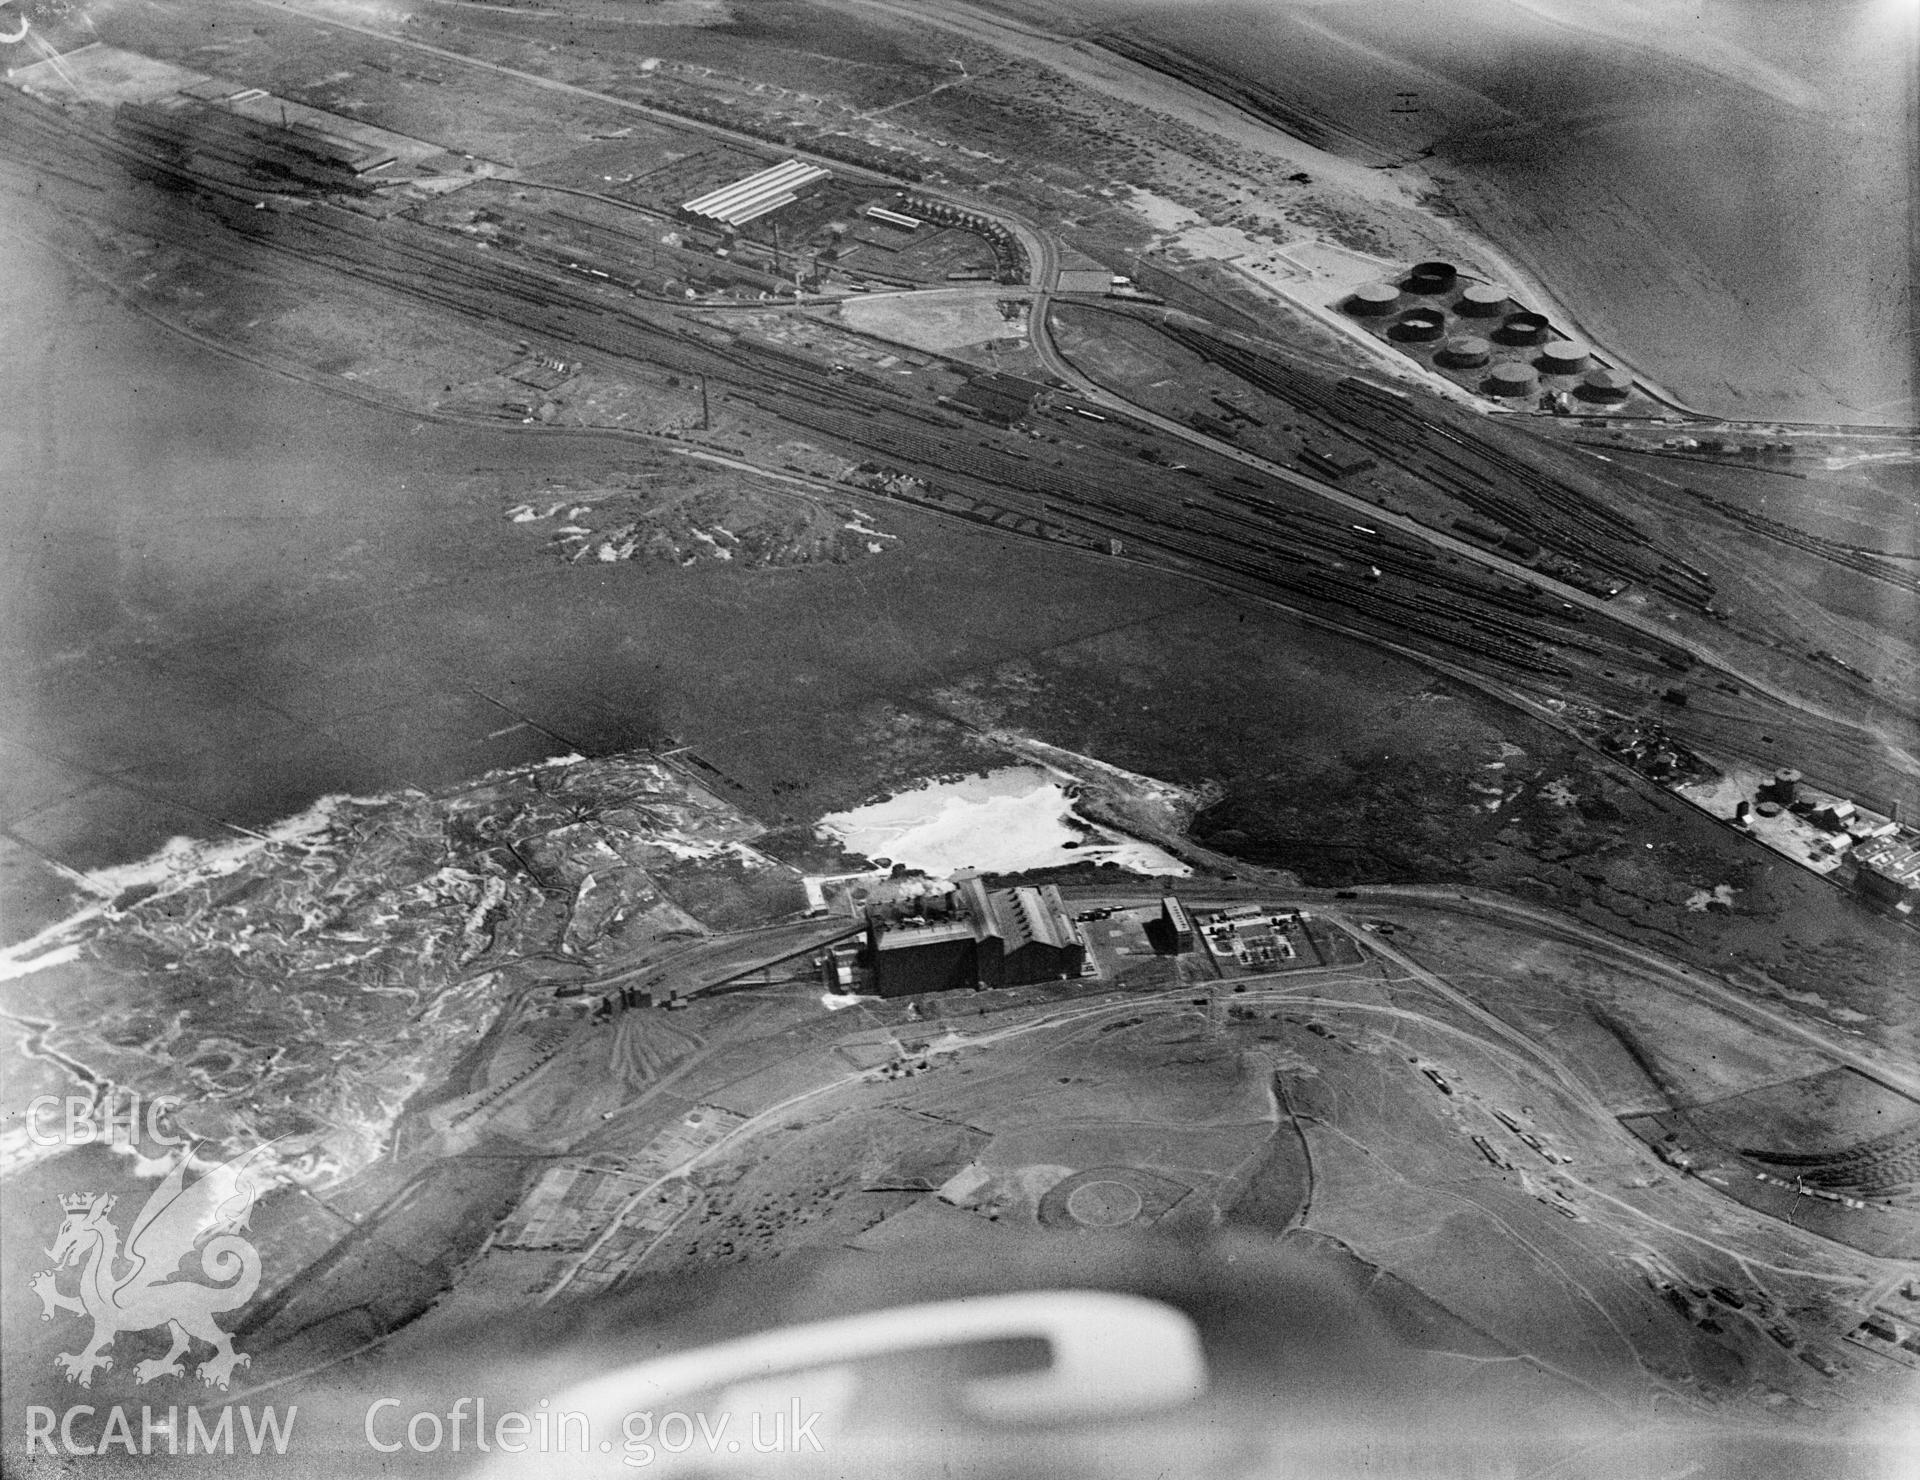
(1005, 822)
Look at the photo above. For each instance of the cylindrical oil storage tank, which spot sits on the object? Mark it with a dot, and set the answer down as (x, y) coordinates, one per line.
(1606, 385)
(1373, 300)
(1784, 788)
(1420, 326)
(1482, 300)
(1432, 277)
(1563, 357)
(1511, 380)
(1523, 328)
(1768, 809)
(1465, 351)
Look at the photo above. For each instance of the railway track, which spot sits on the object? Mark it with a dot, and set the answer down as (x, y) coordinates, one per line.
(1486, 478)
(1880, 568)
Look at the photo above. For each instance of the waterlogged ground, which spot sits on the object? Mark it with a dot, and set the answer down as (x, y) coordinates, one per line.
(1006, 821)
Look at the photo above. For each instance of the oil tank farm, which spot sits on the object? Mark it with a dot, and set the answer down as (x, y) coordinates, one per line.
(1563, 357)
(1429, 279)
(1476, 334)
(1606, 385)
(1465, 352)
(1524, 328)
(1420, 326)
(1511, 380)
(1373, 300)
(1482, 301)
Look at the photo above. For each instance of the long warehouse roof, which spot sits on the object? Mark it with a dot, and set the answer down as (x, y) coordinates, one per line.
(749, 199)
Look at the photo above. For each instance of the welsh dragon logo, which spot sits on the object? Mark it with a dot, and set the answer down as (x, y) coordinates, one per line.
(134, 1289)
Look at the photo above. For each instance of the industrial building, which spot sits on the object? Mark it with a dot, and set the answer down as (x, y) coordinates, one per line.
(291, 159)
(974, 936)
(1253, 937)
(998, 397)
(733, 206)
(894, 218)
(923, 953)
(1179, 924)
(1888, 870)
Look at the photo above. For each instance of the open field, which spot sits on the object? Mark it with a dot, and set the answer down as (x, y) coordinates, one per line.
(937, 321)
(1824, 1113)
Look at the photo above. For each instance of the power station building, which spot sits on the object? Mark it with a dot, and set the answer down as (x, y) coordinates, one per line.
(974, 936)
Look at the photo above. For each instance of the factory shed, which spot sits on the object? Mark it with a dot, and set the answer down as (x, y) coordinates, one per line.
(289, 158)
(998, 397)
(1026, 935)
(758, 195)
(934, 956)
(1889, 871)
(895, 218)
(974, 937)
